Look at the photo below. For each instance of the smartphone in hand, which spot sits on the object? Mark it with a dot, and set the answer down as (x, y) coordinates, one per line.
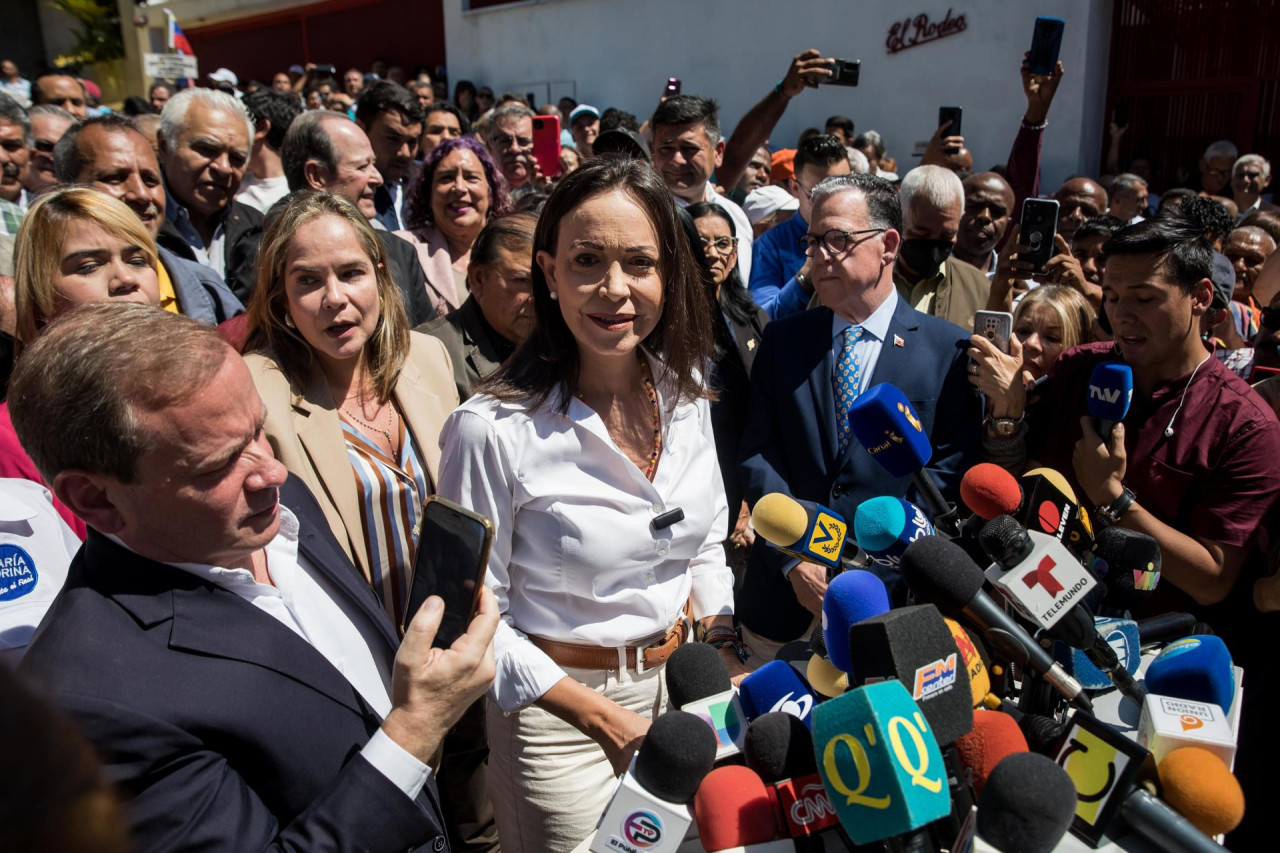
(1046, 42)
(1038, 228)
(546, 144)
(845, 72)
(452, 557)
(995, 326)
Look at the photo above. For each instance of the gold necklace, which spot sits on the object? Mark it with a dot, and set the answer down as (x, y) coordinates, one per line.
(367, 425)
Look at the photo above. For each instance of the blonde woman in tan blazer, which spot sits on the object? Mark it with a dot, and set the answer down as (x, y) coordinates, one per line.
(354, 400)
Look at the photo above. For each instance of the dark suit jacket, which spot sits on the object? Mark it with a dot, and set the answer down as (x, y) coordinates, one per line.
(222, 728)
(474, 347)
(242, 223)
(790, 441)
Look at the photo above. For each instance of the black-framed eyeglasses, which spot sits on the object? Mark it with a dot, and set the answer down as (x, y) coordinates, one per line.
(808, 191)
(722, 245)
(504, 141)
(835, 241)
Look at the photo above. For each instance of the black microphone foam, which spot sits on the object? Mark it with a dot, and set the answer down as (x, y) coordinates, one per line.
(676, 753)
(941, 573)
(696, 671)
(915, 646)
(778, 746)
(1027, 804)
(818, 643)
(1005, 540)
(1128, 561)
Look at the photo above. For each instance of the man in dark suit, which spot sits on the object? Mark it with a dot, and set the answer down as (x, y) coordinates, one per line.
(796, 439)
(239, 679)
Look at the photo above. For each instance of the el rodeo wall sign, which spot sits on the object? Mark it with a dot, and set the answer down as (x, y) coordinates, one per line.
(913, 32)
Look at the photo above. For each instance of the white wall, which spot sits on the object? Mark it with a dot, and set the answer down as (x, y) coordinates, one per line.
(620, 52)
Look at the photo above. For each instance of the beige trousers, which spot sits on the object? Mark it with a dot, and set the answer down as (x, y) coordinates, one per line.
(549, 782)
(764, 650)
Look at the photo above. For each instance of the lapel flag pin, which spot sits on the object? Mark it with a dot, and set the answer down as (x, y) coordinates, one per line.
(898, 341)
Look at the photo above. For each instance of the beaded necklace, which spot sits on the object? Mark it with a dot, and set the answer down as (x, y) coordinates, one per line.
(646, 376)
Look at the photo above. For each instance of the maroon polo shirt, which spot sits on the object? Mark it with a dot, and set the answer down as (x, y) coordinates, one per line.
(1218, 474)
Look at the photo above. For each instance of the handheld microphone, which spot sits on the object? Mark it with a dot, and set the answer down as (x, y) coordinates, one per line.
(807, 531)
(1158, 630)
(776, 687)
(851, 597)
(698, 683)
(735, 813)
(1047, 584)
(971, 657)
(1201, 788)
(880, 763)
(885, 423)
(993, 737)
(1121, 635)
(941, 572)
(649, 808)
(1110, 393)
(1026, 805)
(1050, 506)
(1128, 562)
(988, 491)
(780, 749)
(1195, 668)
(885, 526)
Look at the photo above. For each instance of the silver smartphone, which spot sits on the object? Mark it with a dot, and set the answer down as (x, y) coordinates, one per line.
(995, 326)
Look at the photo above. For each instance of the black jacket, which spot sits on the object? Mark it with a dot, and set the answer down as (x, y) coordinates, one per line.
(242, 223)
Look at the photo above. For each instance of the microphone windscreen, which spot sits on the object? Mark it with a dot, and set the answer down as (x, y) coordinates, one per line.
(1055, 479)
(675, 755)
(1198, 784)
(974, 661)
(914, 646)
(818, 642)
(1121, 635)
(885, 423)
(1128, 561)
(780, 519)
(878, 522)
(994, 736)
(778, 746)
(824, 678)
(1027, 804)
(1196, 668)
(851, 596)
(696, 671)
(941, 573)
(775, 687)
(1005, 540)
(733, 809)
(988, 490)
(1110, 391)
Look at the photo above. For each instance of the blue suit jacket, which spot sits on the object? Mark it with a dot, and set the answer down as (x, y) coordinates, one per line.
(202, 295)
(223, 729)
(790, 444)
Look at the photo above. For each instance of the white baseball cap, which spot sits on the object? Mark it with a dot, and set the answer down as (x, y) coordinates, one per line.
(225, 75)
(765, 201)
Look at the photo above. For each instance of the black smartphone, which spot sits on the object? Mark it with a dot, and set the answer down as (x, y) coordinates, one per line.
(453, 553)
(673, 87)
(1120, 115)
(1038, 228)
(1046, 42)
(953, 115)
(325, 70)
(845, 72)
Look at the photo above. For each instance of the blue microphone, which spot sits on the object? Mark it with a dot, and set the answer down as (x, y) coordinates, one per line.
(776, 687)
(1197, 668)
(885, 526)
(886, 424)
(1110, 392)
(1121, 635)
(851, 596)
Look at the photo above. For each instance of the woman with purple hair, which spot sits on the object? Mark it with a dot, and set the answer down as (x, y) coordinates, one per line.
(457, 192)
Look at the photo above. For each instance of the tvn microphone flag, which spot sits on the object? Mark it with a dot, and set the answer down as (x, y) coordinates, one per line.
(1110, 392)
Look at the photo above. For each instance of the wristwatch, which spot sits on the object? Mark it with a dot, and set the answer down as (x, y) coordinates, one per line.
(1111, 514)
(1005, 427)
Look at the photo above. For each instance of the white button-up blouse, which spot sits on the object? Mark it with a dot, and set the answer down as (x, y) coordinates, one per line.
(575, 555)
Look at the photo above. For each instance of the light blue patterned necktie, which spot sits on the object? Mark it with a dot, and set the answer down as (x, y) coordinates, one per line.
(845, 382)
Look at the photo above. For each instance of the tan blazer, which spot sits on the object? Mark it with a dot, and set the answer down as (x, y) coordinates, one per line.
(306, 435)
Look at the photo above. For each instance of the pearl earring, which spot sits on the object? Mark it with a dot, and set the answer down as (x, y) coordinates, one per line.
(554, 296)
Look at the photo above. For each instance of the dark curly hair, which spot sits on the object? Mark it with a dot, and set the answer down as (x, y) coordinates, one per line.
(418, 204)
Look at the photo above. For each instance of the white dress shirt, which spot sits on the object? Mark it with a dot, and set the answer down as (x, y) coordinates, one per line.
(575, 555)
(741, 227)
(36, 547)
(307, 603)
(261, 193)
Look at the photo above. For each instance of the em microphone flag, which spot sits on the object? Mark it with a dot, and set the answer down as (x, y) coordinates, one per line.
(807, 531)
(1110, 392)
(1046, 583)
(879, 762)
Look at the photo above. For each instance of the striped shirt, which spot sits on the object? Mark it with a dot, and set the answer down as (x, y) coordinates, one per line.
(391, 495)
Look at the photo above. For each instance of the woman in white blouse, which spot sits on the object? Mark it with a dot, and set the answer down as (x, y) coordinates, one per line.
(591, 449)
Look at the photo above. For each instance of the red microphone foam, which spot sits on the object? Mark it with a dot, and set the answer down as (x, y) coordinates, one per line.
(994, 736)
(988, 491)
(733, 809)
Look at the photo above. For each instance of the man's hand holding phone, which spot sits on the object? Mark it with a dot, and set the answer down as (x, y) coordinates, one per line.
(807, 70)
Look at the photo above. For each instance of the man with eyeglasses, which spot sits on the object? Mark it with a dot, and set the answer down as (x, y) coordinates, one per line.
(511, 144)
(61, 90)
(1250, 177)
(781, 276)
(810, 368)
(48, 123)
(1215, 167)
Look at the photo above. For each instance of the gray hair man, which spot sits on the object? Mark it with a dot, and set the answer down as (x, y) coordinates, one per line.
(1250, 177)
(48, 123)
(1215, 166)
(15, 152)
(1128, 198)
(927, 277)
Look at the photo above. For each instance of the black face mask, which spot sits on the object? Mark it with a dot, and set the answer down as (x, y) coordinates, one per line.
(925, 256)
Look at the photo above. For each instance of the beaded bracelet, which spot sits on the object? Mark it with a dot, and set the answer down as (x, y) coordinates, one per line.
(720, 636)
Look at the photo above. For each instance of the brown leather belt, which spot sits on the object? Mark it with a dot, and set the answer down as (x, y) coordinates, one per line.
(606, 657)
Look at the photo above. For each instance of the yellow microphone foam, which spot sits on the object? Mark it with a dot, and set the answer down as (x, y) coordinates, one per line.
(1059, 481)
(779, 519)
(1198, 784)
(825, 678)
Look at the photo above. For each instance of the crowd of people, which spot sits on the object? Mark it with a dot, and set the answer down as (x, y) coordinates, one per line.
(249, 330)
